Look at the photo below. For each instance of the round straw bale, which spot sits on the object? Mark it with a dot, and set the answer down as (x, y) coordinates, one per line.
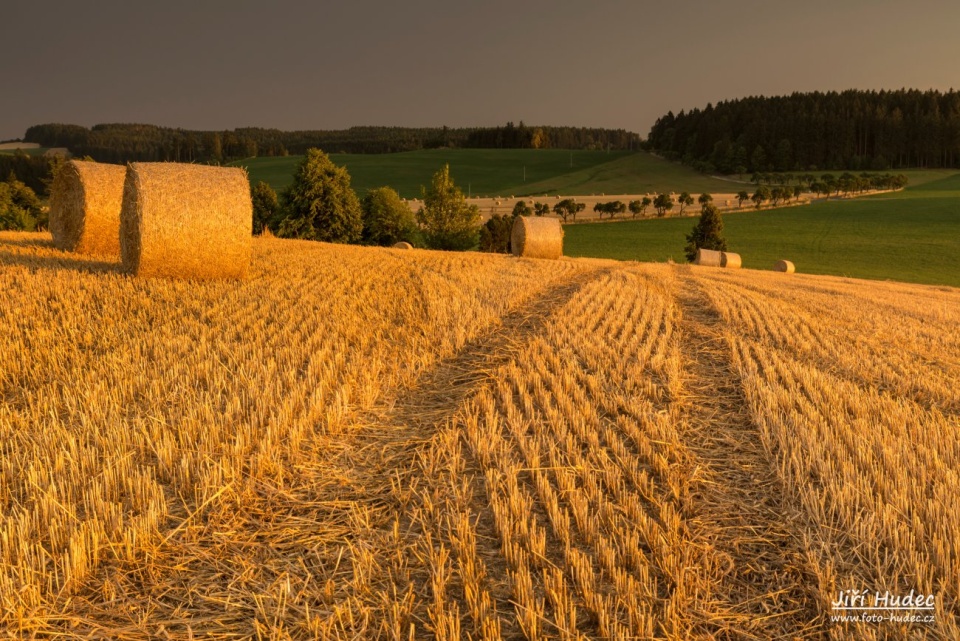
(730, 260)
(186, 221)
(85, 203)
(403, 245)
(784, 266)
(707, 257)
(537, 237)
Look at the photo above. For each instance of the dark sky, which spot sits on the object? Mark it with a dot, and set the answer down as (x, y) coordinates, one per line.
(323, 65)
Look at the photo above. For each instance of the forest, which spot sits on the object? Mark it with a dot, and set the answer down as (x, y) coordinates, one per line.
(854, 129)
(121, 143)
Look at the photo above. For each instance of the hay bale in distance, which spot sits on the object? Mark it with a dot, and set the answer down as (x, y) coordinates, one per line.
(85, 201)
(536, 237)
(402, 245)
(707, 257)
(784, 266)
(729, 260)
(186, 221)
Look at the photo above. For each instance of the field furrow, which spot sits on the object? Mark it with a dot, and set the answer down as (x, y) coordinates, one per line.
(766, 590)
(367, 443)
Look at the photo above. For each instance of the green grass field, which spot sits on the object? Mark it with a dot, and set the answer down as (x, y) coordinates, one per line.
(500, 172)
(912, 235)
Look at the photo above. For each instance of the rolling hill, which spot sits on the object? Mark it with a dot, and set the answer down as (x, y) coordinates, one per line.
(501, 172)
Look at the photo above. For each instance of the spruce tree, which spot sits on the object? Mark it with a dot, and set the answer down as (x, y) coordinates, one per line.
(706, 234)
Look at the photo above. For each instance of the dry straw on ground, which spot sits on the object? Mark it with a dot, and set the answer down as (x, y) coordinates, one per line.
(403, 245)
(784, 266)
(85, 207)
(707, 257)
(537, 237)
(186, 221)
(730, 260)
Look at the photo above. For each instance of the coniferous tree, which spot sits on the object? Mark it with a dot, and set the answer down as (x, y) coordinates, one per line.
(706, 234)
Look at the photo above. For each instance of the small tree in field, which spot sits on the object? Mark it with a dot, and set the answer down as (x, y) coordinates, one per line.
(387, 219)
(640, 206)
(742, 195)
(541, 209)
(265, 206)
(760, 196)
(706, 234)
(320, 204)
(704, 200)
(663, 203)
(568, 207)
(522, 209)
(448, 221)
(684, 200)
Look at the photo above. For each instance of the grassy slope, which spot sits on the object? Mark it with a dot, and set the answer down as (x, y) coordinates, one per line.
(499, 172)
(638, 173)
(911, 236)
(489, 172)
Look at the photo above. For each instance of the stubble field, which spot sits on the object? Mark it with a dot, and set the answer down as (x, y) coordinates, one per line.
(374, 443)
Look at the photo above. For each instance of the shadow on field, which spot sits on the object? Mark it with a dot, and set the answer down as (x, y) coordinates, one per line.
(39, 253)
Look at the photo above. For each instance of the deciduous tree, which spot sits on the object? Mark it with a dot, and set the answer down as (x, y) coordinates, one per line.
(447, 220)
(320, 204)
(387, 219)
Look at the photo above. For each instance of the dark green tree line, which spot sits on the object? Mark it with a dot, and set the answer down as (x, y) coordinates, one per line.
(854, 130)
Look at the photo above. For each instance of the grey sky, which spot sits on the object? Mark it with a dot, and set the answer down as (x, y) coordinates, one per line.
(325, 65)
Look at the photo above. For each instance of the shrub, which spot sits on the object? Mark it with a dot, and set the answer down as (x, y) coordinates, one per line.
(20, 209)
(495, 234)
(266, 206)
(388, 220)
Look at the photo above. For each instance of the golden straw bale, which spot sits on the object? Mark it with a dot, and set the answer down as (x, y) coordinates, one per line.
(85, 201)
(186, 221)
(730, 260)
(784, 266)
(707, 257)
(536, 237)
(402, 245)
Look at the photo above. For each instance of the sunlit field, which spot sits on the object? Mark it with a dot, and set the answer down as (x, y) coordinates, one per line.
(365, 443)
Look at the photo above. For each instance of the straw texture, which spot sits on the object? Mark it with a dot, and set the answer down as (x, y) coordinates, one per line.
(536, 237)
(707, 257)
(186, 221)
(85, 201)
(784, 266)
(729, 260)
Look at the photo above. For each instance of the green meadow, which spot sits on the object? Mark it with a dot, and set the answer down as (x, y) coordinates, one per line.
(506, 172)
(912, 235)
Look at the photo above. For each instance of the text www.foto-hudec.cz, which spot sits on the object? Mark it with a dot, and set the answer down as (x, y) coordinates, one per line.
(867, 606)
